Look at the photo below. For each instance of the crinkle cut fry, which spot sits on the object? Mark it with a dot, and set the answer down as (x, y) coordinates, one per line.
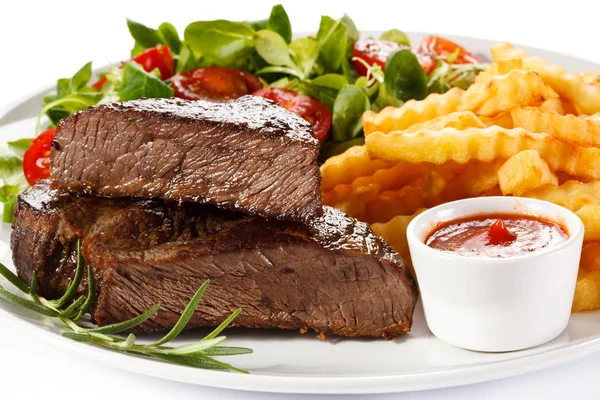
(569, 128)
(585, 96)
(346, 167)
(485, 145)
(572, 194)
(517, 88)
(412, 112)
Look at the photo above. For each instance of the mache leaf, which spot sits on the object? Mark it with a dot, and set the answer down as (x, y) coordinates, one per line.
(170, 36)
(280, 22)
(138, 83)
(272, 48)
(145, 36)
(220, 40)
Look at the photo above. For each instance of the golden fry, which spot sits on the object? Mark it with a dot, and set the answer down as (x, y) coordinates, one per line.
(569, 128)
(486, 144)
(391, 203)
(573, 87)
(480, 177)
(399, 175)
(434, 178)
(503, 120)
(524, 172)
(557, 105)
(502, 93)
(458, 120)
(394, 233)
(591, 78)
(572, 194)
(346, 167)
(412, 112)
(587, 290)
(590, 216)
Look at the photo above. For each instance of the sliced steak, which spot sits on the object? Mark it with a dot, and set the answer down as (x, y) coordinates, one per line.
(248, 155)
(333, 276)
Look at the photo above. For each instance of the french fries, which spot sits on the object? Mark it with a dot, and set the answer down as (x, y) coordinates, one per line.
(568, 128)
(353, 163)
(524, 128)
(486, 144)
(572, 194)
(573, 87)
(590, 216)
(412, 112)
(394, 232)
(587, 290)
(502, 93)
(525, 172)
(458, 120)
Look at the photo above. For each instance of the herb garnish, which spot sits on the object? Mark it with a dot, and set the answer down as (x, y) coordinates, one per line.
(69, 310)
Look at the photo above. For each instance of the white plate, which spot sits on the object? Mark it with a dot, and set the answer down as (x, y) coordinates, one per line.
(294, 363)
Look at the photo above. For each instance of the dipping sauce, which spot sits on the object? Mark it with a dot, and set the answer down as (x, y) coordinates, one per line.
(496, 235)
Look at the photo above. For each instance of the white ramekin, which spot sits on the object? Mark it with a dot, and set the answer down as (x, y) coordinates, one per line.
(496, 304)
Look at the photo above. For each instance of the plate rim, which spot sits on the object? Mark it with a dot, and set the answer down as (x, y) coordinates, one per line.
(445, 377)
(393, 383)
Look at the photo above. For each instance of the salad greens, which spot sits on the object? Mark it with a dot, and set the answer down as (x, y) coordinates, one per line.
(318, 66)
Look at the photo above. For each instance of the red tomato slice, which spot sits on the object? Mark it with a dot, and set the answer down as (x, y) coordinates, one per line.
(214, 83)
(36, 161)
(98, 85)
(374, 51)
(157, 57)
(315, 112)
(441, 47)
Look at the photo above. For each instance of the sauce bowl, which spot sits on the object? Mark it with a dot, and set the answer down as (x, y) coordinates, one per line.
(496, 304)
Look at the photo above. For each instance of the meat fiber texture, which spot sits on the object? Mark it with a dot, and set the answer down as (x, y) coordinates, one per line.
(332, 275)
(248, 155)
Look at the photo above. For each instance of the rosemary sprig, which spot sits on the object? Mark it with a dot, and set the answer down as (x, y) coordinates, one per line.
(68, 310)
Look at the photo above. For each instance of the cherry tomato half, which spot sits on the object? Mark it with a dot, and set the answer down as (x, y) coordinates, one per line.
(157, 57)
(214, 83)
(36, 161)
(441, 47)
(374, 51)
(308, 108)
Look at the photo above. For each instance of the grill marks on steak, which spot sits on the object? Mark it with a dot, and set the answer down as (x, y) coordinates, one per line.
(333, 275)
(248, 155)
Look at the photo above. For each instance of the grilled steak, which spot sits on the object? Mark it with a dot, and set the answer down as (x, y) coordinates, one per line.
(333, 275)
(248, 155)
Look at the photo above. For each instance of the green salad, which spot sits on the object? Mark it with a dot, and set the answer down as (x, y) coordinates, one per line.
(330, 79)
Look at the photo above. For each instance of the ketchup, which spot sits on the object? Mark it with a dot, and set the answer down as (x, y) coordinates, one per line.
(496, 235)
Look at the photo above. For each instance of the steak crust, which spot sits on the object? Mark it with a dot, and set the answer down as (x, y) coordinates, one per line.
(248, 155)
(333, 275)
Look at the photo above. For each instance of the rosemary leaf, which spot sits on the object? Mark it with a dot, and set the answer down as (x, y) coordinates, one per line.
(193, 348)
(223, 325)
(126, 344)
(28, 304)
(13, 279)
(91, 295)
(185, 316)
(80, 337)
(190, 361)
(222, 364)
(220, 351)
(72, 288)
(123, 326)
(34, 284)
(73, 307)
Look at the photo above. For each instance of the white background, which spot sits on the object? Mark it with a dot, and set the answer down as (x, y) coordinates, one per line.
(43, 41)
